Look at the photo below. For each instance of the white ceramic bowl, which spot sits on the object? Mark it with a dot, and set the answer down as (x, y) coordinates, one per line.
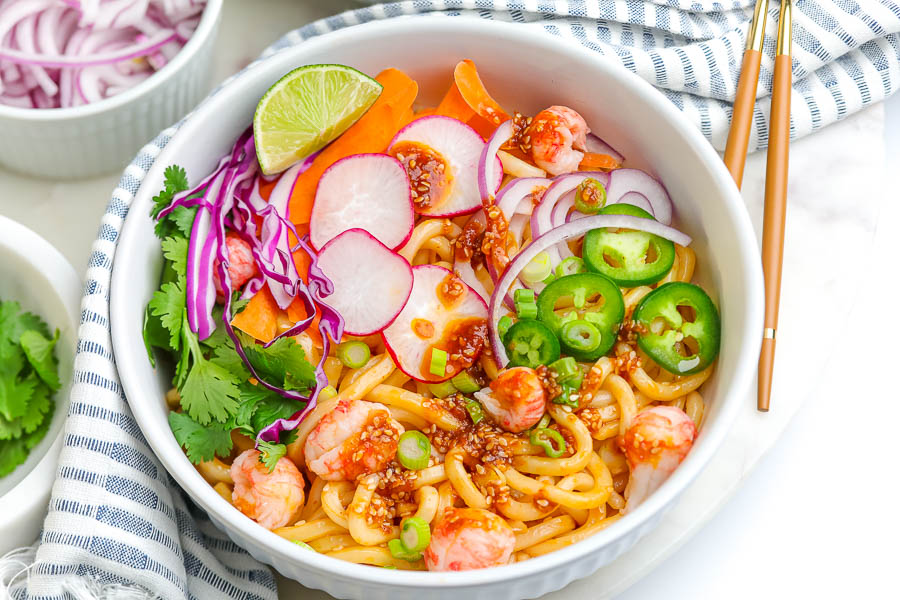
(35, 274)
(89, 140)
(527, 71)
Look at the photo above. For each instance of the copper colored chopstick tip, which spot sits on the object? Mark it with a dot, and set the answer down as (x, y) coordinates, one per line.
(745, 97)
(776, 200)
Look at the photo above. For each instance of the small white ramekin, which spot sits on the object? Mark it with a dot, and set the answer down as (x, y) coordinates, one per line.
(35, 274)
(84, 141)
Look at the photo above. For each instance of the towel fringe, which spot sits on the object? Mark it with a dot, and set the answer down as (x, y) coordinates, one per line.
(16, 565)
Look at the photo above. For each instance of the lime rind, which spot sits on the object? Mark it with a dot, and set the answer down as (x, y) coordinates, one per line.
(306, 109)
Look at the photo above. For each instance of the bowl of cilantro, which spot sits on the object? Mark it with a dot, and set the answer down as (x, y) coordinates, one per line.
(39, 300)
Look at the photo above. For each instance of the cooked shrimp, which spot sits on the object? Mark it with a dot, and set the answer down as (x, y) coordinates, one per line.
(557, 136)
(356, 438)
(241, 266)
(469, 538)
(655, 444)
(270, 499)
(516, 399)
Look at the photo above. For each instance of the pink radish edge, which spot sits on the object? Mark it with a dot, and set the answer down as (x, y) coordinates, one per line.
(461, 165)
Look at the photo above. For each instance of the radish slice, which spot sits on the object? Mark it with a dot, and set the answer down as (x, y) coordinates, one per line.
(364, 191)
(433, 319)
(371, 283)
(622, 181)
(459, 147)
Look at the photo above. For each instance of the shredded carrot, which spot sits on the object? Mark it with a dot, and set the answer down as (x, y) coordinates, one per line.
(484, 127)
(408, 118)
(469, 84)
(372, 133)
(454, 105)
(297, 312)
(598, 161)
(259, 319)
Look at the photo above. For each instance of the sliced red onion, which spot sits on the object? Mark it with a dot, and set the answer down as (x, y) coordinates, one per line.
(70, 53)
(512, 198)
(552, 238)
(598, 146)
(637, 199)
(542, 217)
(490, 169)
(623, 181)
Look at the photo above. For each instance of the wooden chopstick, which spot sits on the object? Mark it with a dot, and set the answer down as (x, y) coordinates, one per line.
(776, 200)
(745, 98)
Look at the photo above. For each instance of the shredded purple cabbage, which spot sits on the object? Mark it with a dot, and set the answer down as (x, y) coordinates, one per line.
(230, 201)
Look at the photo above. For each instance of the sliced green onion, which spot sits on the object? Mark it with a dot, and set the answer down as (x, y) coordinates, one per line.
(473, 407)
(526, 307)
(415, 534)
(464, 382)
(567, 371)
(570, 266)
(590, 196)
(524, 296)
(538, 269)
(398, 551)
(441, 390)
(438, 366)
(327, 393)
(304, 545)
(414, 450)
(389, 567)
(568, 317)
(353, 354)
(504, 324)
(565, 397)
(526, 311)
(547, 444)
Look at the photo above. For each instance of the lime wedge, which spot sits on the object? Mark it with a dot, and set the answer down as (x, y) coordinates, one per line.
(306, 109)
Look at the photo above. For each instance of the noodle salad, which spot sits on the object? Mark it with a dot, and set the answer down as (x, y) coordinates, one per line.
(439, 338)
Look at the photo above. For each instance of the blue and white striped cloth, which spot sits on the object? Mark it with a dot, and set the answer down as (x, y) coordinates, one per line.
(118, 525)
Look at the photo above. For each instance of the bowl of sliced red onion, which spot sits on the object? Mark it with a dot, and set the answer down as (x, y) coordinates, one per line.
(85, 83)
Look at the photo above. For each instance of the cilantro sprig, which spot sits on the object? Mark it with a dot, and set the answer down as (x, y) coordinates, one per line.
(213, 383)
(28, 378)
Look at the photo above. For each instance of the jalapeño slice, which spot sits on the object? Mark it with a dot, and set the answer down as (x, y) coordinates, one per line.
(530, 343)
(679, 327)
(583, 299)
(630, 258)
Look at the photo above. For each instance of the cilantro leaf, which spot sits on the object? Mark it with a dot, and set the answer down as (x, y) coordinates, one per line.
(273, 407)
(183, 219)
(15, 395)
(283, 363)
(209, 393)
(175, 249)
(13, 324)
(39, 351)
(270, 453)
(168, 303)
(10, 429)
(200, 443)
(12, 454)
(40, 406)
(155, 335)
(175, 182)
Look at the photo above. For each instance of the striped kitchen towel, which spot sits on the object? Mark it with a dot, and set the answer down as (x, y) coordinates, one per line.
(118, 525)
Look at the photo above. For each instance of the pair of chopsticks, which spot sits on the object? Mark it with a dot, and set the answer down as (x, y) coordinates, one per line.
(776, 167)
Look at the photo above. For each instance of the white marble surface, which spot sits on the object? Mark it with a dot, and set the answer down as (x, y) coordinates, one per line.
(837, 193)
